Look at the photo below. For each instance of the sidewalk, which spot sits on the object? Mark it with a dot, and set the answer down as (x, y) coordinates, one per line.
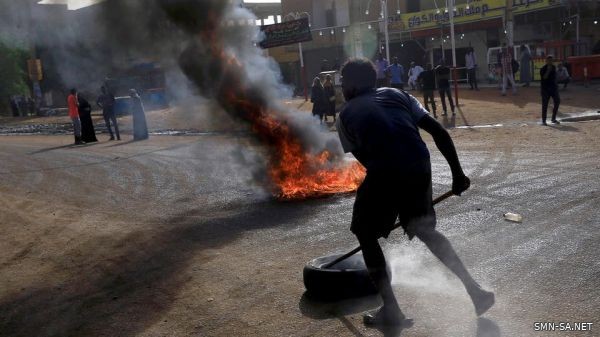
(487, 106)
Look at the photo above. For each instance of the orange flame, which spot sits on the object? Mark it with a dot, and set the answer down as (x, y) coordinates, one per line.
(298, 174)
(295, 173)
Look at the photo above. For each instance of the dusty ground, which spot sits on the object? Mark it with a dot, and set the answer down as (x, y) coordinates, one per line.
(169, 237)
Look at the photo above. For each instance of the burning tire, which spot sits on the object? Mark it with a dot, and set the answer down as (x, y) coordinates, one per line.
(348, 278)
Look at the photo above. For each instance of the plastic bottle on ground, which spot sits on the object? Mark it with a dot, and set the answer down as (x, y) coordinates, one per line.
(514, 217)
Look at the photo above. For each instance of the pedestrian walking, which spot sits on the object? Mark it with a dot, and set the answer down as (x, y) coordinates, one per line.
(396, 71)
(88, 134)
(562, 75)
(442, 74)
(74, 115)
(106, 101)
(507, 70)
(525, 77)
(317, 97)
(413, 73)
(140, 128)
(382, 65)
(471, 65)
(549, 89)
(381, 129)
(427, 81)
(329, 92)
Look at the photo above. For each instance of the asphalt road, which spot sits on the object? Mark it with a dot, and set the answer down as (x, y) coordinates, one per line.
(173, 237)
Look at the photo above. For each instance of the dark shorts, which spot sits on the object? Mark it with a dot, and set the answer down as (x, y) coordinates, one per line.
(383, 198)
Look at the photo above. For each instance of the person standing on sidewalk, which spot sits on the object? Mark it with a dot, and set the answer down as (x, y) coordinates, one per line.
(562, 75)
(525, 66)
(549, 89)
(427, 80)
(396, 71)
(442, 74)
(74, 115)
(106, 101)
(140, 127)
(471, 65)
(507, 70)
(382, 65)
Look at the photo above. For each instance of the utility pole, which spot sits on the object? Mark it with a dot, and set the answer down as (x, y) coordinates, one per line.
(509, 24)
(385, 29)
(453, 44)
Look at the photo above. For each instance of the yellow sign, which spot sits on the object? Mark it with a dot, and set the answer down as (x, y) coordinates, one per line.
(478, 10)
(34, 69)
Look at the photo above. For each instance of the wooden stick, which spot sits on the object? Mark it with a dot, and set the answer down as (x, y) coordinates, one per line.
(357, 249)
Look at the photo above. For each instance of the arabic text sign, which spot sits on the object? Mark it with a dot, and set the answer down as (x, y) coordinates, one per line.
(285, 33)
(478, 10)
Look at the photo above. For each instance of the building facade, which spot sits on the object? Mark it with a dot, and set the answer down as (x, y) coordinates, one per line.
(419, 30)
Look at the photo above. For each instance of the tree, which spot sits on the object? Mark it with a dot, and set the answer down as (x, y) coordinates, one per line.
(13, 76)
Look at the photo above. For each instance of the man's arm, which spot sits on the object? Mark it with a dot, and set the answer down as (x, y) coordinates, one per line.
(460, 182)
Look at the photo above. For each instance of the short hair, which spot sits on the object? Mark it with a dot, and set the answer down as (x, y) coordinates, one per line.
(359, 73)
(549, 57)
(73, 91)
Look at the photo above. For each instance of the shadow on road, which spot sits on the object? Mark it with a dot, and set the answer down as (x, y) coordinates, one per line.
(487, 328)
(318, 309)
(111, 286)
(563, 127)
(68, 146)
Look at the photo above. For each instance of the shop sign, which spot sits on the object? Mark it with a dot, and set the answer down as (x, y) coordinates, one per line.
(478, 10)
(281, 34)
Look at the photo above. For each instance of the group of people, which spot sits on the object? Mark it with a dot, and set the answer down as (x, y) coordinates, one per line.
(323, 98)
(80, 112)
(393, 75)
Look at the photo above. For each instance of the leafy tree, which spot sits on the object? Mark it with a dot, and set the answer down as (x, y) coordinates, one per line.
(13, 75)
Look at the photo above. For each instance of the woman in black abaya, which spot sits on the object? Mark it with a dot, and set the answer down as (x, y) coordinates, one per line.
(88, 134)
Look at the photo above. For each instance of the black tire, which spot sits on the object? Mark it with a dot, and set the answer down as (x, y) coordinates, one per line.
(348, 278)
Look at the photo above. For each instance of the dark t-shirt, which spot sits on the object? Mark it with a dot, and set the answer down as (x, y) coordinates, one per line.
(380, 128)
(443, 75)
(427, 79)
(548, 78)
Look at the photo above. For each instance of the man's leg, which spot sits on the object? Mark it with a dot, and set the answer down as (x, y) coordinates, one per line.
(439, 245)
(426, 100)
(470, 73)
(77, 129)
(449, 93)
(375, 262)
(442, 93)
(545, 99)
(556, 101)
(113, 118)
(512, 82)
(107, 122)
(474, 70)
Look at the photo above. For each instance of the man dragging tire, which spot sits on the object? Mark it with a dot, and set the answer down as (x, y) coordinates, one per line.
(380, 128)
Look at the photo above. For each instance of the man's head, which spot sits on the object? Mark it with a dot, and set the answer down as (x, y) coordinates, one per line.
(358, 76)
(379, 56)
(395, 60)
(103, 89)
(549, 59)
(560, 65)
(428, 66)
(73, 91)
(412, 64)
